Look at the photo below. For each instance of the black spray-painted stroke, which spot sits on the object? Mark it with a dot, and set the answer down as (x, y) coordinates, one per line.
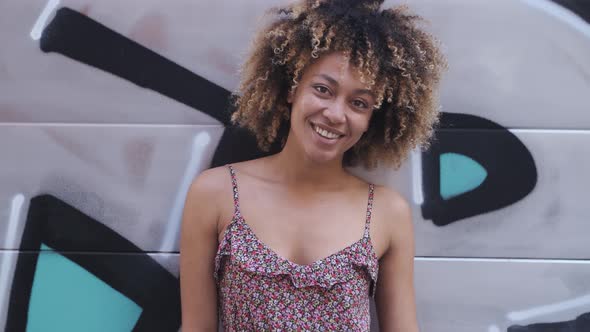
(580, 324)
(62, 227)
(512, 173)
(85, 40)
(580, 7)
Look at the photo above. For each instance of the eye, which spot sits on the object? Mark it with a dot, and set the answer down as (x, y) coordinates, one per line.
(359, 103)
(321, 89)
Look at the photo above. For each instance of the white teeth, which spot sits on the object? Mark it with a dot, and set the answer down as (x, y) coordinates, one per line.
(325, 133)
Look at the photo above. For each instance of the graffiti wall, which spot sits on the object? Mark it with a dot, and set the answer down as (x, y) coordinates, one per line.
(109, 109)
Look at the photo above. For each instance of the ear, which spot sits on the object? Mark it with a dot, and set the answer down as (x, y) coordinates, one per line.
(290, 96)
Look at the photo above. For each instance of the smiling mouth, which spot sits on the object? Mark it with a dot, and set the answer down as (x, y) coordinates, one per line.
(325, 133)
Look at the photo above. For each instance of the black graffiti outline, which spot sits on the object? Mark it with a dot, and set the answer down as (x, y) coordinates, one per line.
(80, 38)
(579, 7)
(85, 40)
(102, 252)
(512, 173)
(579, 324)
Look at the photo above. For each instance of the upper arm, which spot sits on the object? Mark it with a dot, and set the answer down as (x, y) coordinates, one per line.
(198, 246)
(395, 296)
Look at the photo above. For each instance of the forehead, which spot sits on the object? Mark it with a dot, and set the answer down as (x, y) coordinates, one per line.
(336, 65)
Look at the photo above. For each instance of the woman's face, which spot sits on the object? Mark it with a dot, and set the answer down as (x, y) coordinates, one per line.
(330, 109)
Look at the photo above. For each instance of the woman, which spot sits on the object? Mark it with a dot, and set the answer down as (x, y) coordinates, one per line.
(293, 241)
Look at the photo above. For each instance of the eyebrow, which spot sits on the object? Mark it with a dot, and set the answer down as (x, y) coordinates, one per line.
(334, 82)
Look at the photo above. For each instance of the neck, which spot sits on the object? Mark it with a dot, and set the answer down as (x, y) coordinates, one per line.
(297, 169)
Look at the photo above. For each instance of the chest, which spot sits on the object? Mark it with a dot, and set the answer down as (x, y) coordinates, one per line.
(304, 228)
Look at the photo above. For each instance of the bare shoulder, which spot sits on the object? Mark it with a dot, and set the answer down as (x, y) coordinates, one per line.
(393, 218)
(391, 203)
(210, 182)
(210, 194)
(253, 167)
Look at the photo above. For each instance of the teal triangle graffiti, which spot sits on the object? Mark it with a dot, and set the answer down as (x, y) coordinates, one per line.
(459, 174)
(65, 297)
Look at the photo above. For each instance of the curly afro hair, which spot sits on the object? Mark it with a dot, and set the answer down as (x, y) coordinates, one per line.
(397, 60)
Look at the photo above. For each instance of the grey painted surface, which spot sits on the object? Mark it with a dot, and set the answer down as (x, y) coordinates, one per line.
(131, 178)
(509, 60)
(124, 155)
(522, 63)
(467, 296)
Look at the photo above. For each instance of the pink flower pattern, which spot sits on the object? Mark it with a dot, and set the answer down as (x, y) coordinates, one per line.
(262, 291)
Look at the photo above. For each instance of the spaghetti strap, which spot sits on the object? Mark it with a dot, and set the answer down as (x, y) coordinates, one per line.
(369, 210)
(234, 183)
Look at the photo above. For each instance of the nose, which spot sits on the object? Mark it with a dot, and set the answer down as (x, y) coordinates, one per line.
(335, 112)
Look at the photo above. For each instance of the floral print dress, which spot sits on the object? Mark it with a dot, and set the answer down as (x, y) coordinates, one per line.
(261, 291)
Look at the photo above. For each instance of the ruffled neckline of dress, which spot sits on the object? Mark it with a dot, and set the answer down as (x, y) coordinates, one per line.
(242, 245)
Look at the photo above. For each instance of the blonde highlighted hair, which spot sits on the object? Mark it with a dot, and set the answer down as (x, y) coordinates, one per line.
(400, 62)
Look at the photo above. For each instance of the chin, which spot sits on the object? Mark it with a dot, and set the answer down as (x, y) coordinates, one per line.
(323, 157)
